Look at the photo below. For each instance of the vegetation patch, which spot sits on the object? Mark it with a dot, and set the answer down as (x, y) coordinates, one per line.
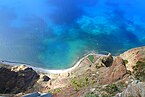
(91, 58)
(77, 83)
(91, 94)
(125, 61)
(58, 90)
(106, 95)
(112, 89)
(139, 70)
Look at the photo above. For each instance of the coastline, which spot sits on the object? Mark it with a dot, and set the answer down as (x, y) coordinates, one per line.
(61, 71)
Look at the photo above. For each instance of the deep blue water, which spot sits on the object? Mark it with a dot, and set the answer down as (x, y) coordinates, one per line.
(54, 33)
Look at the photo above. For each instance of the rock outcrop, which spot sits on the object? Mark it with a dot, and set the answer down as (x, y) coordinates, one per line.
(104, 61)
(113, 73)
(136, 89)
(17, 80)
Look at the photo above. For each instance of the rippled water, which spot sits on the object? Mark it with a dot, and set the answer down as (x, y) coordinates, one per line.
(55, 33)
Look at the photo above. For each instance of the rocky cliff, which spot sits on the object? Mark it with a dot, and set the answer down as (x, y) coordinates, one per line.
(17, 79)
(95, 76)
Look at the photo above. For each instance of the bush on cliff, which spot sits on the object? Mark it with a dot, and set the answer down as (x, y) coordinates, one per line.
(139, 70)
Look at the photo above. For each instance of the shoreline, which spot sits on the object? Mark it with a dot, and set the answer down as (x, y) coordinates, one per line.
(49, 71)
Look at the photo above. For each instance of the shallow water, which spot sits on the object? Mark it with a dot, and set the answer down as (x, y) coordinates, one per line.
(55, 33)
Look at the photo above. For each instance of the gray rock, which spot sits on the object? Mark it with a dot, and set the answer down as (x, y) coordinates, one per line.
(35, 94)
(46, 95)
(133, 90)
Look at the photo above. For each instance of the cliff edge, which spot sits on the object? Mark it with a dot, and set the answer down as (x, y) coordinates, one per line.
(94, 76)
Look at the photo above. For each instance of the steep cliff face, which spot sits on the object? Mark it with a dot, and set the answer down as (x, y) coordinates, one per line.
(16, 81)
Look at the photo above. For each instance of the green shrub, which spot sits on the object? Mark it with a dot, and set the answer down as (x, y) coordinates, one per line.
(91, 94)
(106, 95)
(121, 85)
(125, 61)
(57, 90)
(139, 70)
(112, 89)
(77, 83)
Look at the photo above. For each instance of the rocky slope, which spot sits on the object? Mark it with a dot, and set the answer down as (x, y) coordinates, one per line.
(135, 89)
(95, 76)
(17, 79)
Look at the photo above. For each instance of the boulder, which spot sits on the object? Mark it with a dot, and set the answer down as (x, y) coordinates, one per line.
(46, 78)
(108, 60)
(104, 61)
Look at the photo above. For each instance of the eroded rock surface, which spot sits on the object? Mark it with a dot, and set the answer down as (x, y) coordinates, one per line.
(136, 89)
(17, 80)
(113, 73)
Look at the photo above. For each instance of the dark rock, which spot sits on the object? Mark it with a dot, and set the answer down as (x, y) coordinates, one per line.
(17, 81)
(46, 78)
(104, 61)
(108, 60)
(7, 80)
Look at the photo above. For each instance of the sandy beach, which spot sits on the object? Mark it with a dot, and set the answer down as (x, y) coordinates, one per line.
(51, 71)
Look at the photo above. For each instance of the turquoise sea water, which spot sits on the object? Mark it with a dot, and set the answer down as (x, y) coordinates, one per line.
(55, 33)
